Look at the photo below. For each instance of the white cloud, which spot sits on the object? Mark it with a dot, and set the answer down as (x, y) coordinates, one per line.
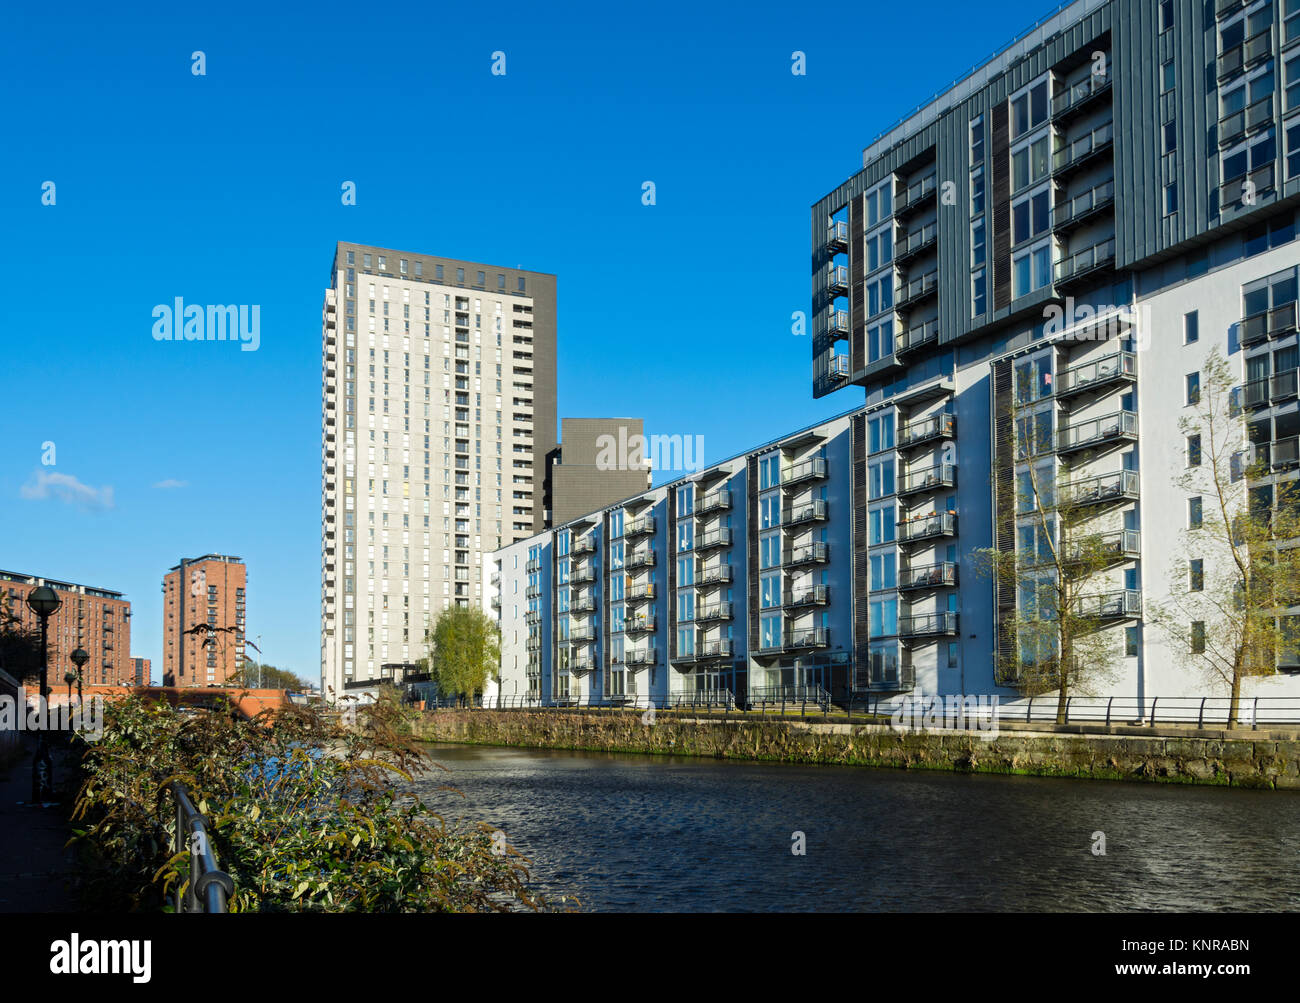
(65, 487)
(172, 483)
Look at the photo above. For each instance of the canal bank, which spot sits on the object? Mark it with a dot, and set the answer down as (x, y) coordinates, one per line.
(1226, 759)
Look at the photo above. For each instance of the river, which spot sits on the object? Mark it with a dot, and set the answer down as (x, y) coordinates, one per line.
(649, 833)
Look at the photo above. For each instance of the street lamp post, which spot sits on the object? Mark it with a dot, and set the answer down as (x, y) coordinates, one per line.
(79, 658)
(44, 602)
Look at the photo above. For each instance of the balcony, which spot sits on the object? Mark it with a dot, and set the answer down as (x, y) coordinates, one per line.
(808, 595)
(809, 470)
(935, 478)
(1119, 367)
(1254, 49)
(814, 511)
(914, 196)
(1268, 390)
(1222, 8)
(641, 656)
(533, 566)
(1104, 489)
(915, 337)
(639, 527)
(721, 647)
(927, 576)
(915, 242)
(582, 634)
(1080, 95)
(714, 611)
(582, 576)
(911, 293)
(586, 604)
(1240, 124)
(1075, 155)
(532, 615)
(1124, 604)
(1117, 545)
(583, 545)
(641, 593)
(1233, 193)
(1268, 324)
(809, 553)
(838, 368)
(1118, 427)
(719, 573)
(1280, 454)
(837, 324)
(581, 664)
(532, 592)
(1083, 207)
(937, 426)
(928, 625)
(714, 538)
(837, 281)
(1083, 263)
(640, 559)
(837, 237)
(643, 624)
(714, 502)
(927, 527)
(806, 637)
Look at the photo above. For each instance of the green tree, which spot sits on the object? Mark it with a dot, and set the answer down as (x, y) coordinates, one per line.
(464, 651)
(20, 647)
(267, 677)
(1240, 568)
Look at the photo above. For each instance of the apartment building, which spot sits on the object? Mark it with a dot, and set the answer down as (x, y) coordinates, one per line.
(726, 581)
(141, 670)
(208, 591)
(589, 470)
(93, 619)
(1025, 278)
(438, 412)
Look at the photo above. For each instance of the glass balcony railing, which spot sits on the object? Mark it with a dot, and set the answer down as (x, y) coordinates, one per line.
(814, 511)
(837, 236)
(721, 647)
(1233, 127)
(927, 576)
(811, 553)
(713, 611)
(1122, 485)
(807, 470)
(719, 573)
(918, 288)
(838, 367)
(639, 624)
(936, 426)
(640, 559)
(1249, 52)
(1273, 323)
(1083, 205)
(809, 595)
(928, 625)
(1099, 372)
(1086, 261)
(1120, 425)
(1083, 149)
(935, 478)
(915, 337)
(807, 637)
(720, 537)
(926, 527)
(1080, 94)
(639, 527)
(916, 193)
(837, 324)
(1244, 189)
(640, 656)
(641, 593)
(1119, 605)
(837, 280)
(915, 241)
(713, 502)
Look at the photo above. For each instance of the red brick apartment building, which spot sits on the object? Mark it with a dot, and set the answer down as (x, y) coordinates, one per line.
(98, 620)
(140, 671)
(203, 590)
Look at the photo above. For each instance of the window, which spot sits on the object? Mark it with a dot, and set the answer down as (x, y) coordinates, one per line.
(880, 340)
(880, 295)
(1191, 327)
(1194, 512)
(1031, 269)
(1170, 137)
(481, 279)
(880, 525)
(1033, 378)
(769, 471)
(883, 618)
(977, 192)
(977, 248)
(1167, 77)
(1030, 163)
(881, 433)
(1171, 198)
(1192, 386)
(979, 293)
(977, 140)
(1198, 637)
(1029, 110)
(460, 275)
(1293, 149)
(1196, 575)
(1194, 450)
(1030, 217)
(879, 204)
(1131, 641)
(880, 249)
(880, 479)
(1166, 14)
(884, 571)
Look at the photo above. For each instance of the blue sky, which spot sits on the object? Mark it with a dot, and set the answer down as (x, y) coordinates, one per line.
(225, 188)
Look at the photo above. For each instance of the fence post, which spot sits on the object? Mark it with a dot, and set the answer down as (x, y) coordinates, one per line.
(1254, 715)
(1029, 713)
(1067, 709)
(1200, 715)
(1154, 701)
(1108, 703)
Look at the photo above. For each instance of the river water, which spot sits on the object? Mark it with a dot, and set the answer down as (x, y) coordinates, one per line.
(652, 833)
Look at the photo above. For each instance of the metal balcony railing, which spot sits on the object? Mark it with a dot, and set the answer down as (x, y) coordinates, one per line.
(811, 553)
(837, 324)
(927, 576)
(532, 591)
(1251, 118)
(807, 637)
(837, 280)
(1120, 425)
(639, 527)
(721, 647)
(915, 194)
(1118, 366)
(1268, 324)
(719, 573)
(582, 576)
(1083, 149)
(794, 693)
(814, 511)
(1083, 205)
(640, 656)
(915, 337)
(645, 624)
(838, 368)
(1267, 389)
(1243, 189)
(533, 566)
(928, 625)
(935, 478)
(1119, 605)
(1249, 52)
(1122, 485)
(640, 559)
(1080, 94)
(926, 527)
(936, 426)
(1084, 262)
(640, 593)
(916, 289)
(916, 241)
(584, 604)
(814, 595)
(715, 501)
(808, 470)
(837, 236)
(582, 633)
(714, 611)
(720, 537)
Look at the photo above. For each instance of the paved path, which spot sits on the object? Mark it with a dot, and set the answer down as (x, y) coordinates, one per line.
(35, 869)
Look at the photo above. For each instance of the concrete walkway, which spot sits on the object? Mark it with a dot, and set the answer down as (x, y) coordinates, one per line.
(35, 869)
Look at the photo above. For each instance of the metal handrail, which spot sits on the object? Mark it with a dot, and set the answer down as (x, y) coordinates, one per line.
(208, 888)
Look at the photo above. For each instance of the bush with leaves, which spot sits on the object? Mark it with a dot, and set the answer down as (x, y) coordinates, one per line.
(303, 813)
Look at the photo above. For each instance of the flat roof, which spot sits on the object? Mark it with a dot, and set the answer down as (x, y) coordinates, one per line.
(21, 579)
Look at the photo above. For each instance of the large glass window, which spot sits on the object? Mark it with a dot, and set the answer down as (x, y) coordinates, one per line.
(884, 572)
(1029, 110)
(880, 431)
(883, 618)
(1030, 163)
(769, 471)
(880, 479)
(880, 524)
(1033, 378)
(769, 551)
(880, 340)
(1031, 217)
(770, 590)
